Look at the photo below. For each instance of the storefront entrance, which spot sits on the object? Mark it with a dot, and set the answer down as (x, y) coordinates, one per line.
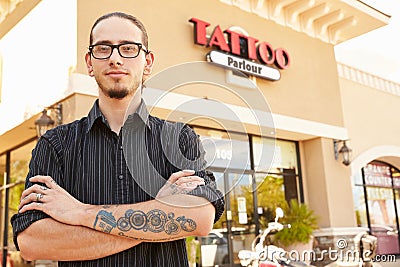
(381, 183)
(253, 182)
(250, 199)
(236, 229)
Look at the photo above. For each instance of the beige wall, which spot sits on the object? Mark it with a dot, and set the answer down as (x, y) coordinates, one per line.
(370, 116)
(328, 185)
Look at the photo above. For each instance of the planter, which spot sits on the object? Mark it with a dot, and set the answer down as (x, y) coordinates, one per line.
(301, 251)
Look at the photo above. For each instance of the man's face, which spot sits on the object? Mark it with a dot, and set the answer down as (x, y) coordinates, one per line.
(116, 76)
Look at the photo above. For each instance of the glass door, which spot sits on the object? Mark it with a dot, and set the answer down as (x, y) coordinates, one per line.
(236, 229)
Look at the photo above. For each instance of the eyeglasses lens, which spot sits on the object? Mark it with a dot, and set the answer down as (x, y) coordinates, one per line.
(103, 51)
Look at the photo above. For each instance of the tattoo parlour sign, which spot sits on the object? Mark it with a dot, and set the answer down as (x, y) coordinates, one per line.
(240, 52)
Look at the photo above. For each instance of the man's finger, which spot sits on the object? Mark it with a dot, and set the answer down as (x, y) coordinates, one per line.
(176, 175)
(192, 185)
(47, 180)
(32, 206)
(32, 197)
(34, 189)
(189, 179)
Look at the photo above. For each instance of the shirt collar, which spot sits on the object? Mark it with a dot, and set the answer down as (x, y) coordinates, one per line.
(142, 113)
(96, 113)
(93, 115)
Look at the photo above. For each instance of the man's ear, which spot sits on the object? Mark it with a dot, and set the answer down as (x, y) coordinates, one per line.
(148, 67)
(89, 65)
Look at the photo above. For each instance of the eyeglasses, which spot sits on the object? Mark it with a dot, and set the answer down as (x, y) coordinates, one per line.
(125, 50)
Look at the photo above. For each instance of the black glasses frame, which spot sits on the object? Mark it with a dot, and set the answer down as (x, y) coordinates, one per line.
(119, 52)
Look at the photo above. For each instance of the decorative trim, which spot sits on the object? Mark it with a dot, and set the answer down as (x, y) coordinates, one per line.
(368, 79)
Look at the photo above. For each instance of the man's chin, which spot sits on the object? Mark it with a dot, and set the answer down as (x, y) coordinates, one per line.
(117, 94)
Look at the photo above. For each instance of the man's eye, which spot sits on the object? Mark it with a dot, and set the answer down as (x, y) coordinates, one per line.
(129, 48)
(102, 48)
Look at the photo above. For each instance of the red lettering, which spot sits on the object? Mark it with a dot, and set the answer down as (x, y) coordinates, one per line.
(266, 53)
(262, 52)
(217, 39)
(282, 58)
(234, 40)
(200, 31)
(251, 47)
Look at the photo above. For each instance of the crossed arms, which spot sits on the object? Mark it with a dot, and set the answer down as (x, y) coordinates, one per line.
(78, 231)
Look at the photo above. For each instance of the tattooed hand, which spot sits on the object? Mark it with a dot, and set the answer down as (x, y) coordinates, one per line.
(180, 182)
(51, 199)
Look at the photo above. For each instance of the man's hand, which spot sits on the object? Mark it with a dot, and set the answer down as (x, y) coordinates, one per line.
(52, 200)
(180, 182)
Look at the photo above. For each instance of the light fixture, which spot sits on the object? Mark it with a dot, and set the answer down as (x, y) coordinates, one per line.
(345, 151)
(45, 122)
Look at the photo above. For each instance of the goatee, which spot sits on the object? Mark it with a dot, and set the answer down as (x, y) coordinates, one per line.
(117, 94)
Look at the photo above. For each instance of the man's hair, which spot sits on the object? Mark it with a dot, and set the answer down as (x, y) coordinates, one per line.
(134, 20)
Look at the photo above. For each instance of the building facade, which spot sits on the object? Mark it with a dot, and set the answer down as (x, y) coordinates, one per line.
(259, 82)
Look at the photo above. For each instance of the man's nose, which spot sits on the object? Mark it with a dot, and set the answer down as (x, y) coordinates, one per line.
(115, 58)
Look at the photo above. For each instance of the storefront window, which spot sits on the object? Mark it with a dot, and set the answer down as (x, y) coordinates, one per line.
(225, 150)
(2, 172)
(277, 180)
(381, 183)
(360, 207)
(270, 194)
(274, 155)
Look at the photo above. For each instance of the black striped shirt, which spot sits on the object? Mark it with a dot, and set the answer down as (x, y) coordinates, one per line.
(97, 166)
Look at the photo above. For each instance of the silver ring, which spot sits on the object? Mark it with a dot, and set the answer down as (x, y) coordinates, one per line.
(38, 197)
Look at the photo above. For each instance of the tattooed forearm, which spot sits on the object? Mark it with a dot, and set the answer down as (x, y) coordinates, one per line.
(155, 221)
(147, 239)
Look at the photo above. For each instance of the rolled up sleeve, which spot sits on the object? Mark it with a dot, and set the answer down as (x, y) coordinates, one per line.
(210, 192)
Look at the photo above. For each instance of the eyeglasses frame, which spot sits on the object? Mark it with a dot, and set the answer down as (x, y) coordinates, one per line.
(117, 46)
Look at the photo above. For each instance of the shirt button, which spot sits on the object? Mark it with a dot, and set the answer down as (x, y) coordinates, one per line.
(120, 177)
(121, 147)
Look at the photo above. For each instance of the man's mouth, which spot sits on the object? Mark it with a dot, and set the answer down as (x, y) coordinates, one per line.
(116, 74)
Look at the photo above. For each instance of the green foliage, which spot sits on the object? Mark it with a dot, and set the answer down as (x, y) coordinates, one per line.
(303, 222)
(270, 196)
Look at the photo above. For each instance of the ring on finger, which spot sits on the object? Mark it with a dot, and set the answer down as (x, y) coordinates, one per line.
(38, 197)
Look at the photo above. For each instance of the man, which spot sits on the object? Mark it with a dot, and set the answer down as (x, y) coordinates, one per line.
(93, 194)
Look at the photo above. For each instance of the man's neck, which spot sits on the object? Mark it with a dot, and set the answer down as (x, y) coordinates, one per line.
(116, 111)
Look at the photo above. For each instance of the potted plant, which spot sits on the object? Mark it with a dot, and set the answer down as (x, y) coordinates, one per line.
(303, 222)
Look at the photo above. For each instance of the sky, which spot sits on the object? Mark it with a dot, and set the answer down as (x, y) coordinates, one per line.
(37, 54)
(27, 92)
(376, 52)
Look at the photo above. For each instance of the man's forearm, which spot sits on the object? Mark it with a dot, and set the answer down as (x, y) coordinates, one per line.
(170, 218)
(52, 240)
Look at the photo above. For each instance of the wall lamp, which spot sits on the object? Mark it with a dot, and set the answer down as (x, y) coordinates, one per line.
(45, 122)
(345, 151)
